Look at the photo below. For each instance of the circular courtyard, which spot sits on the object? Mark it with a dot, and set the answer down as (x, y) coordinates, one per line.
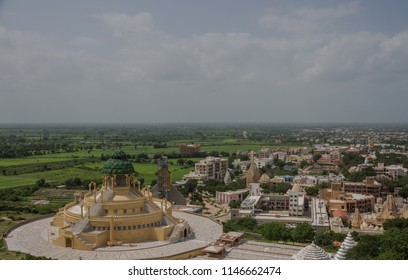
(35, 238)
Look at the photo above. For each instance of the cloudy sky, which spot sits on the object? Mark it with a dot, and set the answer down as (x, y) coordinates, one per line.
(203, 61)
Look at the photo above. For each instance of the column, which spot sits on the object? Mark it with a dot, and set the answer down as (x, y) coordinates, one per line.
(111, 231)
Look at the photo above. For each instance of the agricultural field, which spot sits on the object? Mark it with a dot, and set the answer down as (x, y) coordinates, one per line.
(58, 153)
(9, 182)
(60, 175)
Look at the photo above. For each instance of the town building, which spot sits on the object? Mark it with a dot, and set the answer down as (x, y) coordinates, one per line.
(260, 163)
(338, 199)
(265, 153)
(392, 171)
(210, 168)
(292, 203)
(189, 149)
(369, 186)
(227, 197)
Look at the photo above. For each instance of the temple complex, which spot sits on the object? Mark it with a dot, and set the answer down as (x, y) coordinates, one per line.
(374, 221)
(118, 212)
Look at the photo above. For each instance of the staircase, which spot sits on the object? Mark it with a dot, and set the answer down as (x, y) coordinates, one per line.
(80, 226)
(85, 244)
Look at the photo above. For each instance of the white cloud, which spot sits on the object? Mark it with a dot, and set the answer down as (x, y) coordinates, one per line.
(344, 57)
(307, 19)
(392, 56)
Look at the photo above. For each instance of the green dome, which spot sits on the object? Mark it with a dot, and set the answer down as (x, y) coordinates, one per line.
(118, 164)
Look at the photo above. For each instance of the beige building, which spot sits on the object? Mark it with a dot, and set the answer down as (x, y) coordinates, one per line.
(290, 204)
(393, 171)
(368, 187)
(374, 221)
(211, 168)
(118, 212)
(338, 199)
(189, 149)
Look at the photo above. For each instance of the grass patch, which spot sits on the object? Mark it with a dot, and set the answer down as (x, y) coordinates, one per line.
(59, 176)
(17, 217)
(11, 182)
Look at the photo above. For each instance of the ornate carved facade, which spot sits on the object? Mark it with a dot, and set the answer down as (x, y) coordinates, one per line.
(116, 213)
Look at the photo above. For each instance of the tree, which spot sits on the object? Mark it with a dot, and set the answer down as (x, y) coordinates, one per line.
(323, 185)
(328, 237)
(367, 248)
(142, 157)
(312, 191)
(196, 198)
(280, 163)
(404, 192)
(278, 188)
(77, 181)
(240, 224)
(274, 231)
(191, 185)
(234, 204)
(303, 164)
(396, 223)
(316, 157)
(395, 240)
(303, 232)
(42, 184)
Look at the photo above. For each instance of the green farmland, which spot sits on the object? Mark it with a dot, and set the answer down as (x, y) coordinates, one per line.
(9, 182)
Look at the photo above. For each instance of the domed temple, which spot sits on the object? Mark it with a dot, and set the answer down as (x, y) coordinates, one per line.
(118, 212)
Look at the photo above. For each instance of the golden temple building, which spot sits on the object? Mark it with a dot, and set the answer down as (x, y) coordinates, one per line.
(117, 213)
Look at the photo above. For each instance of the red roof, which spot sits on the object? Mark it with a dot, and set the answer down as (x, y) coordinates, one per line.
(339, 213)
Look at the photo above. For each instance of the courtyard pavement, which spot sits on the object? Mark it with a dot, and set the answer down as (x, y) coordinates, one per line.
(35, 238)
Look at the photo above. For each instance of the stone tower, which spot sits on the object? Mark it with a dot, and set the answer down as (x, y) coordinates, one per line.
(252, 175)
(389, 209)
(356, 220)
(163, 177)
(227, 178)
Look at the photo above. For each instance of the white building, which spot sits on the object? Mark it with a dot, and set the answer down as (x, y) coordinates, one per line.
(393, 171)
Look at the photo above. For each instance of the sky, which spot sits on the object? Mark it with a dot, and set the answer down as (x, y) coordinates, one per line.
(128, 61)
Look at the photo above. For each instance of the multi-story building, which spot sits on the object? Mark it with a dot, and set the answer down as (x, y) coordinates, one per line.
(296, 203)
(393, 171)
(212, 168)
(264, 153)
(368, 187)
(290, 204)
(338, 199)
(227, 197)
(189, 149)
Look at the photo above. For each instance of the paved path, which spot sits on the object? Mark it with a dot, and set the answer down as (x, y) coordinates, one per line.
(34, 238)
(252, 250)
